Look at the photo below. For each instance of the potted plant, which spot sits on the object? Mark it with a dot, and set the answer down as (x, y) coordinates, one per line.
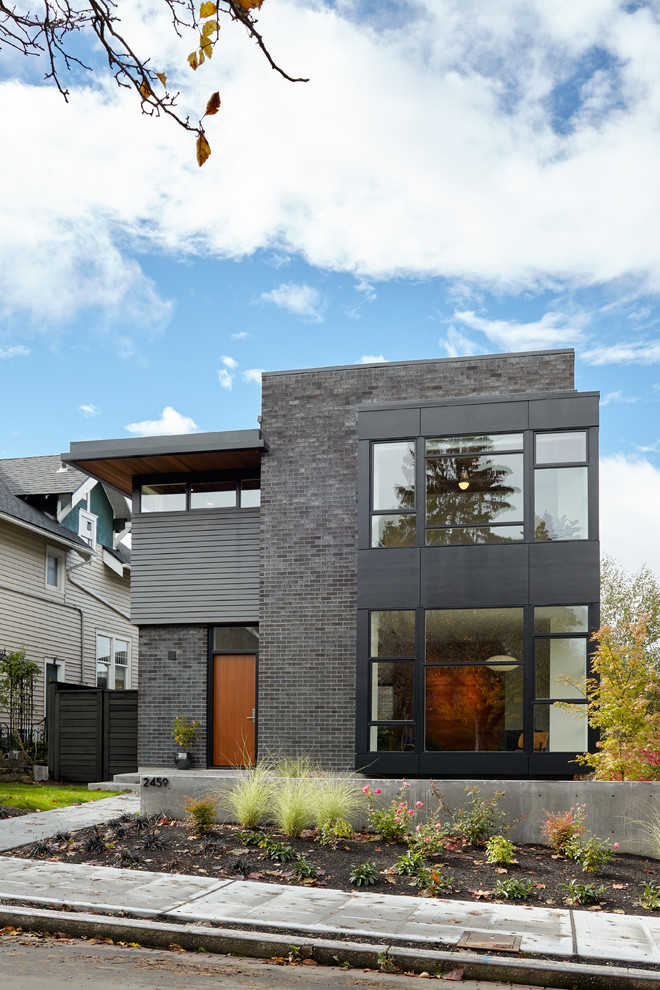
(184, 730)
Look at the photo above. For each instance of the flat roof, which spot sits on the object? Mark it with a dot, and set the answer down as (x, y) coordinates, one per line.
(117, 462)
(441, 360)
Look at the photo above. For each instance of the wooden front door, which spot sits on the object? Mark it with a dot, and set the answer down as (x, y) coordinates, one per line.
(234, 709)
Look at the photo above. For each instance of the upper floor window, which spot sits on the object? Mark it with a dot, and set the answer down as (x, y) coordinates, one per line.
(474, 489)
(54, 574)
(181, 496)
(393, 522)
(87, 527)
(560, 486)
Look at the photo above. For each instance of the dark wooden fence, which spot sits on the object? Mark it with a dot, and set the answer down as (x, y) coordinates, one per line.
(92, 733)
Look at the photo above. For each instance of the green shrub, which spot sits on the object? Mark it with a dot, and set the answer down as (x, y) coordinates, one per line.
(480, 819)
(291, 809)
(430, 837)
(332, 831)
(650, 898)
(583, 893)
(513, 889)
(499, 850)
(250, 798)
(279, 851)
(432, 882)
(564, 829)
(364, 874)
(201, 812)
(592, 854)
(297, 765)
(303, 869)
(247, 837)
(410, 864)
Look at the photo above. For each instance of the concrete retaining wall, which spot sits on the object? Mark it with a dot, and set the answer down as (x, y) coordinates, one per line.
(614, 810)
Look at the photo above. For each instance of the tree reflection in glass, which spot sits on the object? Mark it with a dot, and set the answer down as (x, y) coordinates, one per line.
(473, 485)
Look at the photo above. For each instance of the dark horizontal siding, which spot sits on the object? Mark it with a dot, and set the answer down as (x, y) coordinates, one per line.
(195, 566)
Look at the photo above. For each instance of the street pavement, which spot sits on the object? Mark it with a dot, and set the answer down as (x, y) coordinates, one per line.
(173, 906)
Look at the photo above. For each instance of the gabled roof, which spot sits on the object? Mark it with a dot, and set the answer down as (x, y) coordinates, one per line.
(44, 475)
(14, 508)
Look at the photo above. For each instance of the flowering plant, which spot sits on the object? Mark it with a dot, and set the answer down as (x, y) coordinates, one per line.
(394, 823)
(184, 730)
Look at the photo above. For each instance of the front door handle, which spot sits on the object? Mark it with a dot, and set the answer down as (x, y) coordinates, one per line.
(252, 717)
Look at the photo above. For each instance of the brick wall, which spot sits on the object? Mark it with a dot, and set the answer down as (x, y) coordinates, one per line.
(166, 687)
(309, 530)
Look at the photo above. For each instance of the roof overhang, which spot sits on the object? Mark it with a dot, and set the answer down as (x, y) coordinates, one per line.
(118, 462)
(61, 541)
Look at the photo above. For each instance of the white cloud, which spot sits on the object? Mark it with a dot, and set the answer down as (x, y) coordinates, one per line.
(630, 495)
(625, 353)
(552, 330)
(89, 410)
(6, 353)
(253, 375)
(618, 396)
(301, 300)
(372, 359)
(229, 362)
(240, 336)
(170, 423)
(225, 379)
(433, 150)
(366, 288)
(456, 344)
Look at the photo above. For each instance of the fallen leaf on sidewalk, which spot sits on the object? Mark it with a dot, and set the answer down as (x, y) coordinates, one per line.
(454, 974)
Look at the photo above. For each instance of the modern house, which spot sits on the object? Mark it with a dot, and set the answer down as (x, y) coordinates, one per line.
(398, 572)
(65, 576)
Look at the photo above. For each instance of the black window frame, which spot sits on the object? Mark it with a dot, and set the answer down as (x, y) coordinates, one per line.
(192, 478)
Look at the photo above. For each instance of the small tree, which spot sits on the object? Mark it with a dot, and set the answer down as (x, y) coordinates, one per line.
(624, 596)
(17, 675)
(623, 699)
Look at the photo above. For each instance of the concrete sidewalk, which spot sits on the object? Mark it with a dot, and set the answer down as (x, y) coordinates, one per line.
(180, 904)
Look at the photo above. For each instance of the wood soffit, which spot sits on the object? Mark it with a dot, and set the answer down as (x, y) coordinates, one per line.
(120, 471)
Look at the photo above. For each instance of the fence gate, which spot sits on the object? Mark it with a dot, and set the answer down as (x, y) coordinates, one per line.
(92, 733)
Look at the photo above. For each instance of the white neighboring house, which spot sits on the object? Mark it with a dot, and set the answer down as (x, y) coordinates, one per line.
(65, 576)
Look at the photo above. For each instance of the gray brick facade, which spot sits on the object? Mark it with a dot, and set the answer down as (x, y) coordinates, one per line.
(308, 584)
(166, 687)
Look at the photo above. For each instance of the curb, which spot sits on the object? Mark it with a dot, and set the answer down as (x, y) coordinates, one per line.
(156, 934)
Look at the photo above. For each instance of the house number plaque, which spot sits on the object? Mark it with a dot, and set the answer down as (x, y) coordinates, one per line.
(155, 781)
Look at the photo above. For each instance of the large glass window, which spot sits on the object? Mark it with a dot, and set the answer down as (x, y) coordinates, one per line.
(393, 495)
(392, 634)
(232, 639)
(474, 489)
(560, 672)
(163, 497)
(212, 495)
(474, 679)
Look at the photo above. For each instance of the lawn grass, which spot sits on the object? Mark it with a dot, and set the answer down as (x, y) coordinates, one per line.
(45, 797)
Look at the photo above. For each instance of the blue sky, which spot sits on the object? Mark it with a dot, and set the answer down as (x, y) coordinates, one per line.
(458, 177)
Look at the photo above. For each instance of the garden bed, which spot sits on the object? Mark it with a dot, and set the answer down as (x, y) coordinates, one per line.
(162, 845)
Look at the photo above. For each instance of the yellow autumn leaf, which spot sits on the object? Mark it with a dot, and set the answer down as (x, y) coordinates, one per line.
(209, 28)
(249, 5)
(208, 9)
(213, 105)
(145, 90)
(206, 47)
(192, 60)
(203, 150)
(162, 77)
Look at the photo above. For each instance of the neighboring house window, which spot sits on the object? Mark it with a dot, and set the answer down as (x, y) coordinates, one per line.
(112, 662)
(54, 576)
(182, 496)
(87, 527)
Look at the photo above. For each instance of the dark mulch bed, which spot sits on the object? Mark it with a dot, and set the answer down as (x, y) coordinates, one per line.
(6, 812)
(164, 846)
